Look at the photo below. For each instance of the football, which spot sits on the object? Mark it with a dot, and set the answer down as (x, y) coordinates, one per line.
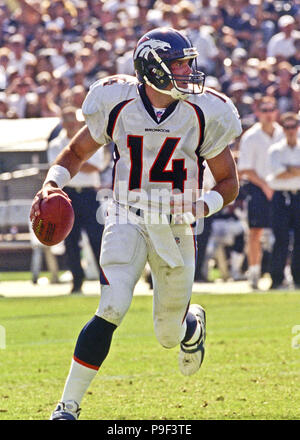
(55, 221)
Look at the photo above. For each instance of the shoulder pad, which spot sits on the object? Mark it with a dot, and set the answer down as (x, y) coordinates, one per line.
(109, 91)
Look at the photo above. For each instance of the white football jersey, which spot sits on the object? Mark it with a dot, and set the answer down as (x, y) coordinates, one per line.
(157, 155)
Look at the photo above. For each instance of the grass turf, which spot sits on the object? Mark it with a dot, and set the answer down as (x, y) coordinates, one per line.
(250, 370)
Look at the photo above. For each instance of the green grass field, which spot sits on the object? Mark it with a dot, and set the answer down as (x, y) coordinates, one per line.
(251, 371)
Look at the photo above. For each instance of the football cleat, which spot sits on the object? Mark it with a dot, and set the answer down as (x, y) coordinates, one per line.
(66, 411)
(191, 355)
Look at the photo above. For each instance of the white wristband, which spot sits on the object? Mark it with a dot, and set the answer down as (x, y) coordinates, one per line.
(214, 202)
(58, 174)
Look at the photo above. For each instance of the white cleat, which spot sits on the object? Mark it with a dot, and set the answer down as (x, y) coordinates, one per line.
(191, 356)
(66, 411)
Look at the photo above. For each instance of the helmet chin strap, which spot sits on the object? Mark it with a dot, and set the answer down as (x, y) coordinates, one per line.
(174, 93)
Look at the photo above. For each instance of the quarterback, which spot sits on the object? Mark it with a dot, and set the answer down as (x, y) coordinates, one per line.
(164, 124)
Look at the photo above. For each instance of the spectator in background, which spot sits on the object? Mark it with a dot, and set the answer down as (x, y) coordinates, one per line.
(142, 19)
(5, 112)
(253, 167)
(116, 6)
(111, 34)
(234, 75)
(239, 58)
(258, 51)
(71, 29)
(43, 106)
(281, 45)
(83, 15)
(265, 78)
(4, 63)
(71, 66)
(44, 79)
(44, 61)
(226, 243)
(249, 41)
(59, 87)
(172, 16)
(207, 9)
(21, 93)
(90, 66)
(57, 57)
(102, 14)
(19, 56)
(202, 39)
(242, 100)
(54, 12)
(82, 191)
(124, 63)
(284, 179)
(240, 21)
(103, 50)
(30, 70)
(296, 90)
(294, 59)
(268, 12)
(78, 94)
(281, 89)
(4, 26)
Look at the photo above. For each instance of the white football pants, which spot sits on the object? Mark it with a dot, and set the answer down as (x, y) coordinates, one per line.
(125, 250)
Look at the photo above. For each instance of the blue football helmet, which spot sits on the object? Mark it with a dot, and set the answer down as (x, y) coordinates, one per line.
(152, 59)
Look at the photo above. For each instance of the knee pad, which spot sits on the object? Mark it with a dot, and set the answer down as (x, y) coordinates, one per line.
(123, 258)
(115, 301)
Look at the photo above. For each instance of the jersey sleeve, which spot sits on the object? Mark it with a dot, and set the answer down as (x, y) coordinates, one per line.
(222, 126)
(102, 97)
(95, 114)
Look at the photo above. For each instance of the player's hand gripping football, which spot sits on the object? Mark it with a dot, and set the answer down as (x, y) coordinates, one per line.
(43, 194)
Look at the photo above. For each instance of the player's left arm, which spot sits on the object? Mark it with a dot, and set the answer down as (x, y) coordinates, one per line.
(79, 150)
(224, 171)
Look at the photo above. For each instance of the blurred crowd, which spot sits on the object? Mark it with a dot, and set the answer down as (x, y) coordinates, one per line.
(51, 51)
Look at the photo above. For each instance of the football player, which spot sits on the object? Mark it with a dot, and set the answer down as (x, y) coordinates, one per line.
(164, 124)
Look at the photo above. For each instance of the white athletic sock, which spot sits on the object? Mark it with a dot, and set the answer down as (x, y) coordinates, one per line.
(254, 270)
(77, 382)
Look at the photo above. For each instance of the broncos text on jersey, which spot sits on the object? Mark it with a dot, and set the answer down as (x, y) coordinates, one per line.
(151, 155)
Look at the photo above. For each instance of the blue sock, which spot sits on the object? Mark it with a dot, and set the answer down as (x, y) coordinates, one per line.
(191, 325)
(93, 342)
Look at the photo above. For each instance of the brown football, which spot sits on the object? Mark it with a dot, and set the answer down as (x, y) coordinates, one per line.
(55, 221)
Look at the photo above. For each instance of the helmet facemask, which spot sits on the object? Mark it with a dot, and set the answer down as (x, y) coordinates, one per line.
(193, 83)
(154, 69)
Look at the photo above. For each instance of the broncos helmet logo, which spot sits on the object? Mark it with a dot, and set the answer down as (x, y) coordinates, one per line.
(144, 48)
